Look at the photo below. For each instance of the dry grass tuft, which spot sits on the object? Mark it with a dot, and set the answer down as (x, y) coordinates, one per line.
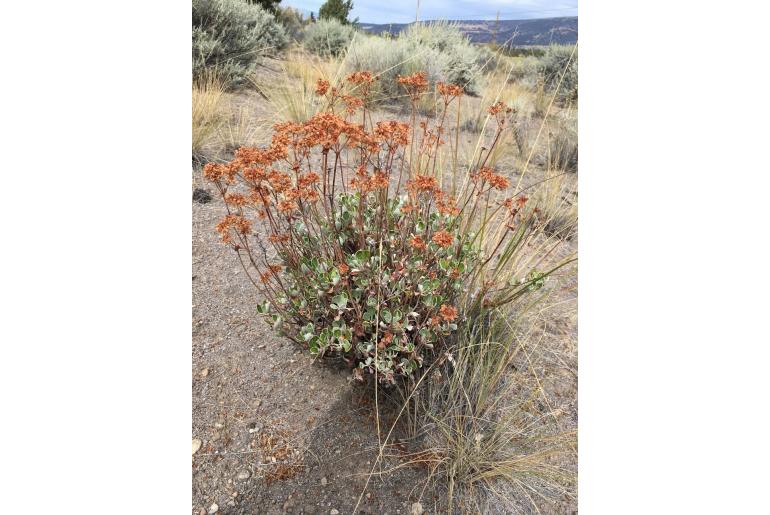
(562, 151)
(207, 116)
(241, 130)
(485, 428)
(292, 94)
(557, 199)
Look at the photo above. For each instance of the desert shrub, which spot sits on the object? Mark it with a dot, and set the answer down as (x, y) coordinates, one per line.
(327, 37)
(511, 50)
(360, 253)
(553, 64)
(230, 36)
(525, 71)
(292, 21)
(461, 62)
(389, 59)
(438, 48)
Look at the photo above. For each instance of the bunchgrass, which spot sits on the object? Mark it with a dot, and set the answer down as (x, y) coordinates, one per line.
(481, 423)
(207, 114)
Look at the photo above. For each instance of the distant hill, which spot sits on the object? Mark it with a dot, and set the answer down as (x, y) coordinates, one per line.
(542, 31)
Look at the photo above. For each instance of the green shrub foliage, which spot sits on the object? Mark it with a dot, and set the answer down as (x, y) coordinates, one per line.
(328, 37)
(230, 36)
(440, 49)
(336, 10)
(555, 61)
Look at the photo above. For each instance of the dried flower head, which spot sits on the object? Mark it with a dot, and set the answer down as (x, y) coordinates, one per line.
(364, 77)
(233, 222)
(442, 239)
(321, 87)
(414, 84)
(486, 174)
(449, 90)
(422, 184)
(417, 242)
(448, 313)
(499, 107)
(393, 133)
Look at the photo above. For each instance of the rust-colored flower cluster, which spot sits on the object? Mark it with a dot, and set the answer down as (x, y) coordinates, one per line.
(488, 176)
(236, 223)
(392, 133)
(415, 84)
(499, 107)
(500, 111)
(449, 91)
(448, 313)
(417, 242)
(423, 184)
(442, 239)
(446, 205)
(321, 87)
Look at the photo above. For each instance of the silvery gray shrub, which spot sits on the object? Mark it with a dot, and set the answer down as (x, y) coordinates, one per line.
(230, 36)
(328, 37)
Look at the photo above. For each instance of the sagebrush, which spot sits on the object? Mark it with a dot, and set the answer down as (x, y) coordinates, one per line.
(328, 37)
(229, 37)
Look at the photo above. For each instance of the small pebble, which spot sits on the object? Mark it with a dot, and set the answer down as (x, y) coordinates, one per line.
(417, 509)
(243, 475)
(213, 508)
(204, 372)
(334, 512)
(324, 481)
(196, 444)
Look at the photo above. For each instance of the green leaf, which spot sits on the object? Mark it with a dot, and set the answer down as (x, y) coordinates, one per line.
(386, 316)
(264, 307)
(307, 332)
(340, 301)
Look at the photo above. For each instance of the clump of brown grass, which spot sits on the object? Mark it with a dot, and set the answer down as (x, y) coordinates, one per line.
(562, 151)
(291, 94)
(207, 116)
(483, 425)
(557, 200)
(240, 129)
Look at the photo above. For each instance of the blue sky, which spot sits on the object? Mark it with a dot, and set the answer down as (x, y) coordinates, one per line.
(403, 11)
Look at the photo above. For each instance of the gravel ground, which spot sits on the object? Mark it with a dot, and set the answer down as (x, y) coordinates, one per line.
(257, 399)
